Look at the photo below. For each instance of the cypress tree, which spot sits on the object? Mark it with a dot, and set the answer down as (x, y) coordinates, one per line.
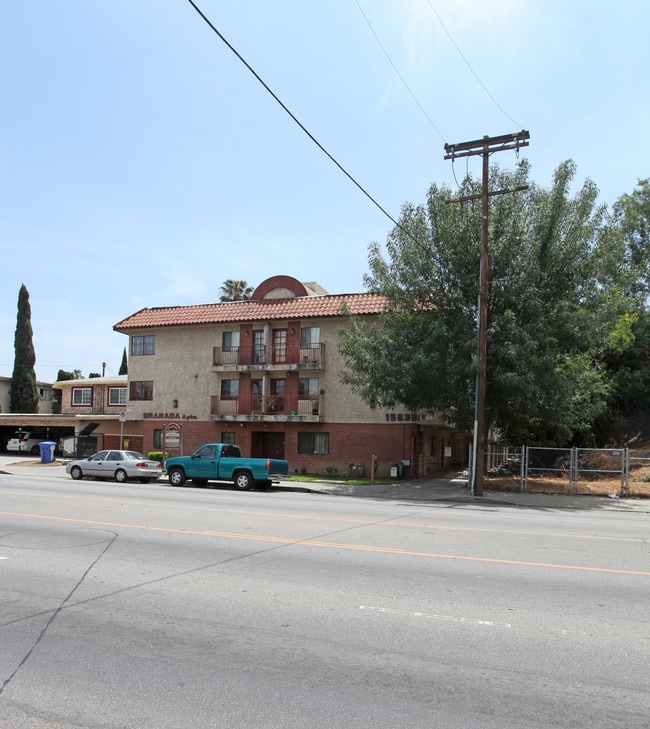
(24, 396)
(124, 367)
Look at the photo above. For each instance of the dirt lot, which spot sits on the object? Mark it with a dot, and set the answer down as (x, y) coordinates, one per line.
(595, 486)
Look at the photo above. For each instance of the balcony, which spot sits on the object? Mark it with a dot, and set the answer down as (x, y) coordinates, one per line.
(270, 408)
(251, 358)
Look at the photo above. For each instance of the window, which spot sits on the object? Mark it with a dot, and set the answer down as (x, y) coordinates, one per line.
(229, 389)
(142, 390)
(82, 395)
(279, 345)
(259, 355)
(157, 438)
(206, 451)
(309, 336)
(314, 443)
(117, 395)
(143, 345)
(230, 341)
(228, 438)
(307, 386)
(310, 344)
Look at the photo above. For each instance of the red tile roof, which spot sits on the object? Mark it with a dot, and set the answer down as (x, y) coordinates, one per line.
(303, 307)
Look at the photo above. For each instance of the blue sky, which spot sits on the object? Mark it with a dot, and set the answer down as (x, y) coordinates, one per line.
(141, 164)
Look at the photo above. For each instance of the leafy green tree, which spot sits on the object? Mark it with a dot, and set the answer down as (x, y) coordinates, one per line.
(124, 367)
(549, 313)
(232, 290)
(627, 417)
(24, 396)
(62, 376)
(631, 219)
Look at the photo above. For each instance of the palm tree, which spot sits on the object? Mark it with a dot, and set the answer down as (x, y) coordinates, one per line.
(235, 291)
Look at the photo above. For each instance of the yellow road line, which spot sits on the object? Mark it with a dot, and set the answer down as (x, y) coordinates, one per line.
(339, 520)
(329, 545)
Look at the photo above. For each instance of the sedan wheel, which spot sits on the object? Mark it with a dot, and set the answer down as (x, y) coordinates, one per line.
(76, 473)
(120, 475)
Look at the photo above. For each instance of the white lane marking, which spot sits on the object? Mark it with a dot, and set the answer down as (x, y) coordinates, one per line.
(433, 616)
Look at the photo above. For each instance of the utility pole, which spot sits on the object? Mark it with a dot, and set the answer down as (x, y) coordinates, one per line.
(484, 148)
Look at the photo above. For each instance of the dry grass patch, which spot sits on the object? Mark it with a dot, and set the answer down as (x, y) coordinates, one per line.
(594, 486)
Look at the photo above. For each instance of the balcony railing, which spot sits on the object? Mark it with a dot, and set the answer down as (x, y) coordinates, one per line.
(251, 355)
(266, 405)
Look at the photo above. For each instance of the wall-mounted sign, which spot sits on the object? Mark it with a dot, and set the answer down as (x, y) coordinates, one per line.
(169, 416)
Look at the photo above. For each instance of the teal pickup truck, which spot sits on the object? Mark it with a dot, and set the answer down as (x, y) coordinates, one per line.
(224, 462)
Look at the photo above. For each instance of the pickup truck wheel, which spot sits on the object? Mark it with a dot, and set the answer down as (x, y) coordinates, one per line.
(243, 480)
(176, 477)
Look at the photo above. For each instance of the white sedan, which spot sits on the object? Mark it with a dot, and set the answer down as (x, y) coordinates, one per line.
(120, 465)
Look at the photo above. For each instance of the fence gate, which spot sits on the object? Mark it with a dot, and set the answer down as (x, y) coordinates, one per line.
(548, 470)
(598, 466)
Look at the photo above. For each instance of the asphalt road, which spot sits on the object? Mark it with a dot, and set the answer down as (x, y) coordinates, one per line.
(137, 606)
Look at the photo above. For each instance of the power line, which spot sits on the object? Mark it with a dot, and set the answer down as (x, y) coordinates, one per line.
(399, 75)
(295, 119)
(467, 63)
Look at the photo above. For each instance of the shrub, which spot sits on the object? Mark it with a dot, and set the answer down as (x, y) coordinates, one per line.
(156, 456)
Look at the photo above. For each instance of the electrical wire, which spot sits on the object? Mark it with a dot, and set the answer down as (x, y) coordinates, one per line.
(399, 75)
(295, 119)
(444, 27)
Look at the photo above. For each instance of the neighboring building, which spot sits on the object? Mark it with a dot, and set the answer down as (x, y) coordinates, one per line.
(265, 374)
(98, 408)
(44, 389)
(42, 421)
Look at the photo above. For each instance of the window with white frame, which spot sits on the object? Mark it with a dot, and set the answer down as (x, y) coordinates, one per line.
(117, 395)
(82, 395)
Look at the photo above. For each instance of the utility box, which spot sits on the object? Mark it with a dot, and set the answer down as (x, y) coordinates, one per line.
(47, 451)
(354, 470)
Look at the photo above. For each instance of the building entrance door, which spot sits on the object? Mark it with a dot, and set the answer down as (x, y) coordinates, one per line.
(267, 445)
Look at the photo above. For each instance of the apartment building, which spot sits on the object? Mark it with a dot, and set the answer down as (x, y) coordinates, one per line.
(265, 374)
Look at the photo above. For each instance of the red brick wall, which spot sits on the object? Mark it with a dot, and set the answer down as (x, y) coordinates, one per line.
(348, 443)
(352, 443)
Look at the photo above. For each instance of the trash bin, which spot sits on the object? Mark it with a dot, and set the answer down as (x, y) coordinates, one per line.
(47, 451)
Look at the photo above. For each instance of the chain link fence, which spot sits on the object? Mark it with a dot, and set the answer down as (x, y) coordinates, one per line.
(595, 471)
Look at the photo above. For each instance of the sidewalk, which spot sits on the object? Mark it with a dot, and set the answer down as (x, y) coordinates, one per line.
(456, 491)
(447, 490)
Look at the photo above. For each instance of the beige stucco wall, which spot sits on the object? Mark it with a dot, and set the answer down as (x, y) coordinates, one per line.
(181, 370)
(44, 405)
